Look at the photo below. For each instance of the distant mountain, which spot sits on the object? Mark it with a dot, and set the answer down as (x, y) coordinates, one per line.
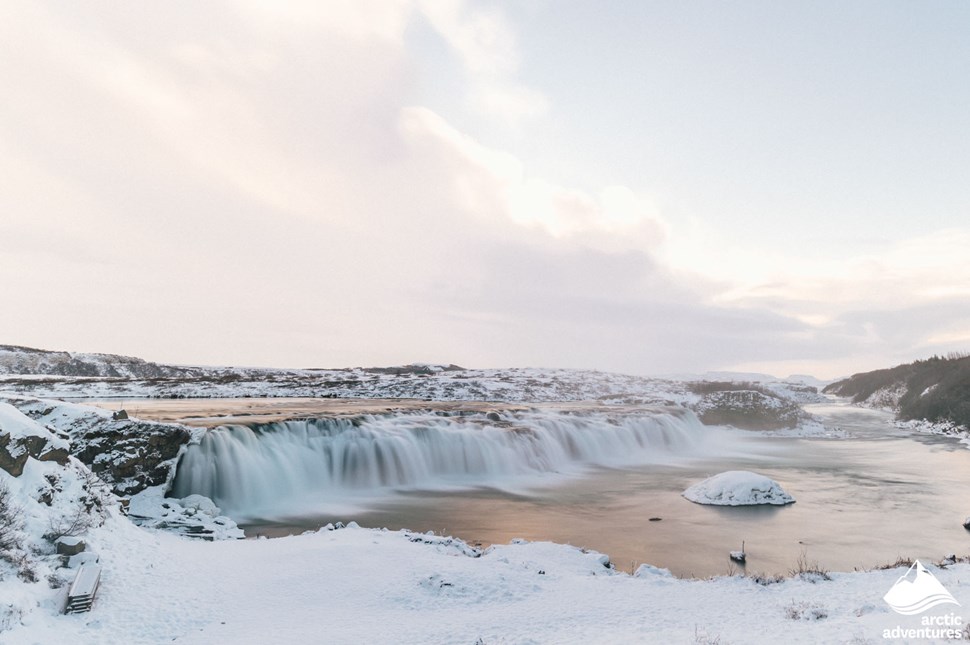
(414, 368)
(807, 379)
(936, 389)
(30, 361)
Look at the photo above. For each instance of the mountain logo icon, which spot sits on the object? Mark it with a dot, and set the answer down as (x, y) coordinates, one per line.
(914, 595)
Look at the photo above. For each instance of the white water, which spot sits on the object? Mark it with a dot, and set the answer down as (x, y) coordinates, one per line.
(277, 468)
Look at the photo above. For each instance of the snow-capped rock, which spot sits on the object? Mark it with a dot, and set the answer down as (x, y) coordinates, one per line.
(128, 454)
(738, 488)
(201, 504)
(22, 438)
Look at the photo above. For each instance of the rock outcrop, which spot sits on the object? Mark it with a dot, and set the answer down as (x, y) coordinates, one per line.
(28, 360)
(128, 454)
(748, 409)
(21, 439)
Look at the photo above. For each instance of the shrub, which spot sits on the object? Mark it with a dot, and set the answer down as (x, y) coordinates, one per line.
(11, 520)
(805, 611)
(936, 389)
(809, 570)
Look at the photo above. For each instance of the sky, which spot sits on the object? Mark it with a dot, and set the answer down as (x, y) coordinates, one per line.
(632, 186)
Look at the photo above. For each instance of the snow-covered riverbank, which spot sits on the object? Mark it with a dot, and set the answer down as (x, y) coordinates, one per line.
(362, 585)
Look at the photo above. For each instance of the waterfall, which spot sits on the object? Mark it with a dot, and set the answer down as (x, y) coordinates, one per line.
(258, 471)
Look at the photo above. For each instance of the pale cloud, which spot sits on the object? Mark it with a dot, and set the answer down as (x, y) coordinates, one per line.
(509, 101)
(486, 45)
(482, 37)
(360, 19)
(268, 187)
(924, 269)
(495, 183)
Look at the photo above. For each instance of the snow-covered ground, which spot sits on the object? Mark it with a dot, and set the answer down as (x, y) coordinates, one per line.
(929, 427)
(105, 376)
(363, 585)
(356, 585)
(462, 385)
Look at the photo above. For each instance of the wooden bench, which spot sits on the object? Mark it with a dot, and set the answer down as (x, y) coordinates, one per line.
(81, 594)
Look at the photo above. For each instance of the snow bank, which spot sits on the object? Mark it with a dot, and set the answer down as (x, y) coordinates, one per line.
(738, 488)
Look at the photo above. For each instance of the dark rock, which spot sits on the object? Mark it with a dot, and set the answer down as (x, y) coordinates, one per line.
(493, 416)
(69, 545)
(12, 457)
(15, 452)
(60, 455)
(140, 454)
(127, 454)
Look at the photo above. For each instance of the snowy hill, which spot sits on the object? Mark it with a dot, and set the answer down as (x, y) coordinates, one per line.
(936, 390)
(27, 360)
(60, 374)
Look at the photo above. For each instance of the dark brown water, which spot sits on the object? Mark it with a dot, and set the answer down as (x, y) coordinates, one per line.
(862, 501)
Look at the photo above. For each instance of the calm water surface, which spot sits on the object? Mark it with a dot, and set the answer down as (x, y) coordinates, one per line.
(862, 501)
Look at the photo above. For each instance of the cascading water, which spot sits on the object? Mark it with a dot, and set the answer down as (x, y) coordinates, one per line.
(260, 471)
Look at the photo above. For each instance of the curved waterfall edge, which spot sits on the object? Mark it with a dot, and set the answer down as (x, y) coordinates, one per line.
(274, 469)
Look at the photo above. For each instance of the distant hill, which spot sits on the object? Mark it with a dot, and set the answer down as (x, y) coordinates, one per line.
(936, 389)
(27, 360)
(767, 405)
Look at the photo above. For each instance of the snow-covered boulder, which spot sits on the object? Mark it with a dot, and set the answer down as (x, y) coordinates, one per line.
(69, 545)
(194, 516)
(738, 488)
(201, 504)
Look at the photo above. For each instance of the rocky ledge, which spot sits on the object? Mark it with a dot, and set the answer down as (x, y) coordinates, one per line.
(128, 454)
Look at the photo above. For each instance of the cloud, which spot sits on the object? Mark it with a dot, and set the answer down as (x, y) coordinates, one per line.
(494, 183)
(486, 45)
(266, 186)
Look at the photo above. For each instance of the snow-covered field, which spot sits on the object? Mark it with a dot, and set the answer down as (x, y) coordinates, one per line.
(104, 376)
